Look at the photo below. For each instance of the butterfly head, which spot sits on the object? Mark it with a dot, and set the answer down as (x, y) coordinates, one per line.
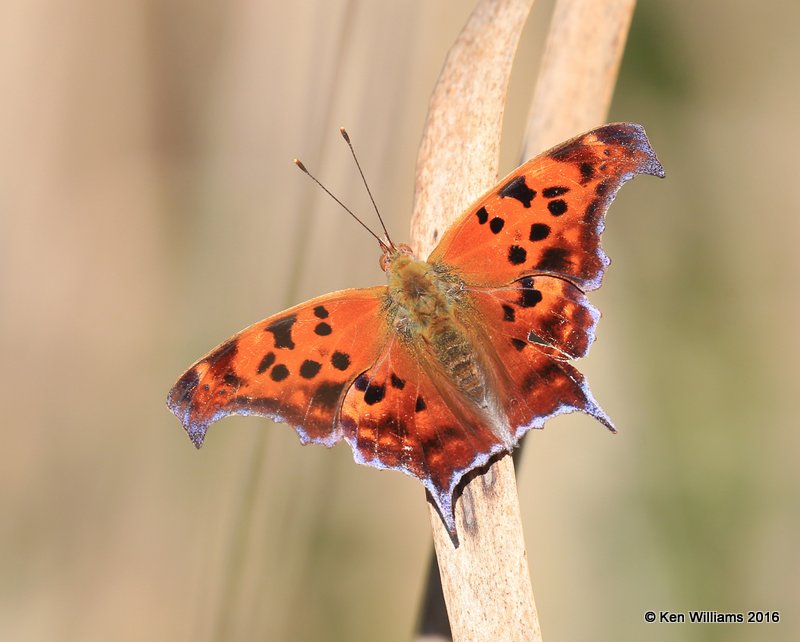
(392, 253)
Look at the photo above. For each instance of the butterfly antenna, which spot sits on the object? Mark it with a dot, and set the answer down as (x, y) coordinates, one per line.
(346, 209)
(346, 137)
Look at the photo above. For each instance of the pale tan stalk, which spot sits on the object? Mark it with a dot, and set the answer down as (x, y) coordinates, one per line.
(485, 580)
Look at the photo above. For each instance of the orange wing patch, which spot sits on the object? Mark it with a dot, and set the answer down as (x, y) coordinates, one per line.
(534, 326)
(294, 367)
(546, 217)
(397, 416)
(539, 387)
(551, 313)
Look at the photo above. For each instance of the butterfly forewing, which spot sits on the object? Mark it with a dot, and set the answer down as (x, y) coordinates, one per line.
(294, 367)
(546, 217)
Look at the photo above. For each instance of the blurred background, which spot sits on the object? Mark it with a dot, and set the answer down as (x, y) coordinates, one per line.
(149, 209)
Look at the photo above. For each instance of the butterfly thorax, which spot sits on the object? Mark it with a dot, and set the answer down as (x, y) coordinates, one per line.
(422, 303)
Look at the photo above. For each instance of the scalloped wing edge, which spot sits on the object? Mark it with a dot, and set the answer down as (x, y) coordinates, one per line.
(444, 500)
(632, 136)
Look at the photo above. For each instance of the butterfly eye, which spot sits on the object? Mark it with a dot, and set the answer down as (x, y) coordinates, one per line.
(384, 261)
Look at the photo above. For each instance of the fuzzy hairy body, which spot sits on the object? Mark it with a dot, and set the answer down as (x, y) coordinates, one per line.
(424, 303)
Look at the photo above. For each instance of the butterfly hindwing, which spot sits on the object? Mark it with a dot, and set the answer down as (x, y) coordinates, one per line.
(546, 217)
(549, 312)
(402, 414)
(533, 326)
(294, 367)
(539, 387)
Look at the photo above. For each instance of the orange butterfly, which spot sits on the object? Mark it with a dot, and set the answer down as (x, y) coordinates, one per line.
(458, 356)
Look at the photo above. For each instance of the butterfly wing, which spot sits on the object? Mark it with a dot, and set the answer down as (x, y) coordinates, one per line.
(526, 252)
(404, 415)
(546, 217)
(533, 326)
(294, 367)
(548, 312)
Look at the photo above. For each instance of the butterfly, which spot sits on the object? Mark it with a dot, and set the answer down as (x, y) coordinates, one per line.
(457, 356)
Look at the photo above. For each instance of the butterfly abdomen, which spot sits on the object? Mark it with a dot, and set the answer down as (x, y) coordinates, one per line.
(457, 355)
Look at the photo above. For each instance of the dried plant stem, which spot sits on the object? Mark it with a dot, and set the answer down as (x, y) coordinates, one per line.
(584, 49)
(458, 156)
(485, 580)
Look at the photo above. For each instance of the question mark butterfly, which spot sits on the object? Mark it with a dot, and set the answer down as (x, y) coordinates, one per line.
(457, 357)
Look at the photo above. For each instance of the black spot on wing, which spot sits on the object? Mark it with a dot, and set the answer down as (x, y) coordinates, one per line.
(420, 405)
(279, 372)
(321, 312)
(282, 331)
(518, 344)
(496, 224)
(508, 312)
(555, 259)
(529, 297)
(539, 232)
(517, 255)
(266, 362)
(361, 382)
(309, 369)
(231, 379)
(323, 329)
(482, 215)
(340, 360)
(557, 207)
(552, 192)
(397, 382)
(518, 189)
(587, 172)
(374, 393)
(328, 393)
